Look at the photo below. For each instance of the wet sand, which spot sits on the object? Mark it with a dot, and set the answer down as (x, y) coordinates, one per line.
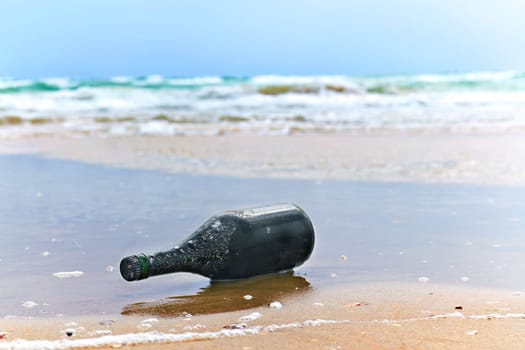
(407, 253)
(372, 316)
(480, 157)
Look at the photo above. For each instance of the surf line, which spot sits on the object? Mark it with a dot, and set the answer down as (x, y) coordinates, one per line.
(159, 337)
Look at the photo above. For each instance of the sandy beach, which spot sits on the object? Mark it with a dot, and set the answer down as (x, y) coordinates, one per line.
(417, 240)
(482, 156)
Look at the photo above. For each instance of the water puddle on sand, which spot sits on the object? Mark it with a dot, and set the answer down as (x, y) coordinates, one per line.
(220, 297)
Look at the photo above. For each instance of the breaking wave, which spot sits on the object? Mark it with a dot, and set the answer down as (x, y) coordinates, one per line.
(261, 104)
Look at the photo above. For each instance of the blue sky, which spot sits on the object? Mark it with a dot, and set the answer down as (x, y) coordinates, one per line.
(102, 38)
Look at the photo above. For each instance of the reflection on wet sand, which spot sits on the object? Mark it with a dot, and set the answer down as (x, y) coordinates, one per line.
(225, 296)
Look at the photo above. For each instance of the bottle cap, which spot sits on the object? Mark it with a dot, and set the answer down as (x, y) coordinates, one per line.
(134, 268)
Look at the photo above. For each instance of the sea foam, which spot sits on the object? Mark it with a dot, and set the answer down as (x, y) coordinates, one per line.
(269, 104)
(159, 337)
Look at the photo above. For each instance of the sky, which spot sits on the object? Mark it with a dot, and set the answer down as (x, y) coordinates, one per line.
(102, 38)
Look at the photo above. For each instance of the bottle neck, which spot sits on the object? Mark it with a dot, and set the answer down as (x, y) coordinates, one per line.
(144, 266)
(174, 260)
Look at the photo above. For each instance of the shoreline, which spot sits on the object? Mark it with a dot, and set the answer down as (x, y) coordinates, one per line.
(494, 158)
(379, 316)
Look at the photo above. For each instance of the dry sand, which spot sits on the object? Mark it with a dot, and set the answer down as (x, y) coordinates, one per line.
(389, 316)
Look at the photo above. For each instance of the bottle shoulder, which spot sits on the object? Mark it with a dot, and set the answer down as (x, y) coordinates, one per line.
(214, 232)
(265, 211)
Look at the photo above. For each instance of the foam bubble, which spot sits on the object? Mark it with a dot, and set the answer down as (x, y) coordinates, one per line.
(29, 304)
(68, 274)
(276, 305)
(251, 317)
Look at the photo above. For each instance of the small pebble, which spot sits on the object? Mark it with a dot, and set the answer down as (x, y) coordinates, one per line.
(423, 279)
(187, 316)
(247, 297)
(465, 279)
(361, 303)
(318, 304)
(70, 332)
(150, 320)
(3, 335)
(106, 323)
(236, 326)
(191, 328)
(343, 257)
(45, 254)
(472, 332)
(276, 305)
(100, 332)
(109, 268)
(459, 307)
(333, 275)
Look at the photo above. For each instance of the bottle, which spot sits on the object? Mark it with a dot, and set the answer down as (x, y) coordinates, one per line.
(232, 245)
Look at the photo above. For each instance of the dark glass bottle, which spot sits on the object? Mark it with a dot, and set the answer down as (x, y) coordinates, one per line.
(235, 244)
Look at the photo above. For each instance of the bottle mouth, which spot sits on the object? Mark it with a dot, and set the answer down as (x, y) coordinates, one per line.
(135, 267)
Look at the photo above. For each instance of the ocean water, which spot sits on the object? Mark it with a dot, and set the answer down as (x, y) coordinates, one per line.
(277, 105)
